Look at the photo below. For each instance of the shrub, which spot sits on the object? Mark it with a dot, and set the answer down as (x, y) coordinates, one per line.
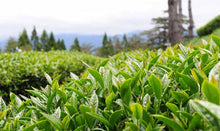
(21, 71)
(209, 27)
(175, 89)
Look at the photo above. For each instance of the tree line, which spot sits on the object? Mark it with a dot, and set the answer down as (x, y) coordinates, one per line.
(112, 45)
(45, 42)
(168, 30)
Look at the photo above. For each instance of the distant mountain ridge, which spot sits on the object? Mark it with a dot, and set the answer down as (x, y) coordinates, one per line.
(94, 39)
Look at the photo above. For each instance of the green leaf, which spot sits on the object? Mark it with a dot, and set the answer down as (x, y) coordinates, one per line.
(194, 122)
(97, 76)
(125, 91)
(215, 72)
(80, 128)
(216, 39)
(109, 99)
(89, 120)
(66, 122)
(153, 61)
(132, 126)
(156, 85)
(54, 120)
(77, 92)
(115, 117)
(135, 80)
(208, 111)
(49, 80)
(103, 63)
(180, 97)
(108, 80)
(169, 122)
(172, 107)
(51, 97)
(15, 100)
(146, 101)
(94, 102)
(74, 76)
(199, 76)
(3, 113)
(212, 93)
(2, 104)
(137, 113)
(100, 118)
(70, 109)
(190, 82)
(31, 127)
(185, 114)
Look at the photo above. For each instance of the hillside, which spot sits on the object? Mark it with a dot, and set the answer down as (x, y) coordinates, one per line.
(197, 40)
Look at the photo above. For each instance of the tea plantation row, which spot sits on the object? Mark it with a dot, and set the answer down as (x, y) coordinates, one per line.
(20, 71)
(176, 89)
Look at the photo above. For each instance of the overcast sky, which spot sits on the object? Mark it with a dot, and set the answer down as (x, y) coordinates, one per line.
(92, 16)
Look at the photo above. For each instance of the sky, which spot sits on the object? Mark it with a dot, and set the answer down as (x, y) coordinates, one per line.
(92, 16)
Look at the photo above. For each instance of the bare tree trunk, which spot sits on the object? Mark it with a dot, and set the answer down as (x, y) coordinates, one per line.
(191, 24)
(173, 26)
(180, 20)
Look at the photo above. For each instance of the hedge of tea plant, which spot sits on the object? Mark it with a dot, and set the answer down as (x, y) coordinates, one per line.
(177, 89)
(209, 27)
(23, 70)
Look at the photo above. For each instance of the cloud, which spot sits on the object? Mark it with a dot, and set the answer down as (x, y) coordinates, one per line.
(92, 16)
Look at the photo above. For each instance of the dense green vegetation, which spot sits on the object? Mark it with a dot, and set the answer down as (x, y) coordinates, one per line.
(23, 70)
(198, 40)
(175, 89)
(209, 27)
(45, 42)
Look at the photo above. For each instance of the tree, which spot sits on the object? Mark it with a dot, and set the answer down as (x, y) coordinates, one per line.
(62, 45)
(35, 40)
(44, 39)
(23, 39)
(180, 21)
(174, 33)
(117, 45)
(87, 48)
(161, 31)
(110, 47)
(191, 24)
(76, 45)
(11, 45)
(104, 48)
(51, 43)
(125, 43)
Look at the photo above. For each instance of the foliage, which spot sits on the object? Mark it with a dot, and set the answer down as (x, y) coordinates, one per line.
(20, 71)
(198, 40)
(23, 39)
(11, 45)
(209, 27)
(35, 41)
(107, 48)
(137, 90)
(76, 45)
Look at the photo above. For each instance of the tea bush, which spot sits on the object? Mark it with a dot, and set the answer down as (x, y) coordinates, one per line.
(175, 89)
(23, 70)
(209, 27)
